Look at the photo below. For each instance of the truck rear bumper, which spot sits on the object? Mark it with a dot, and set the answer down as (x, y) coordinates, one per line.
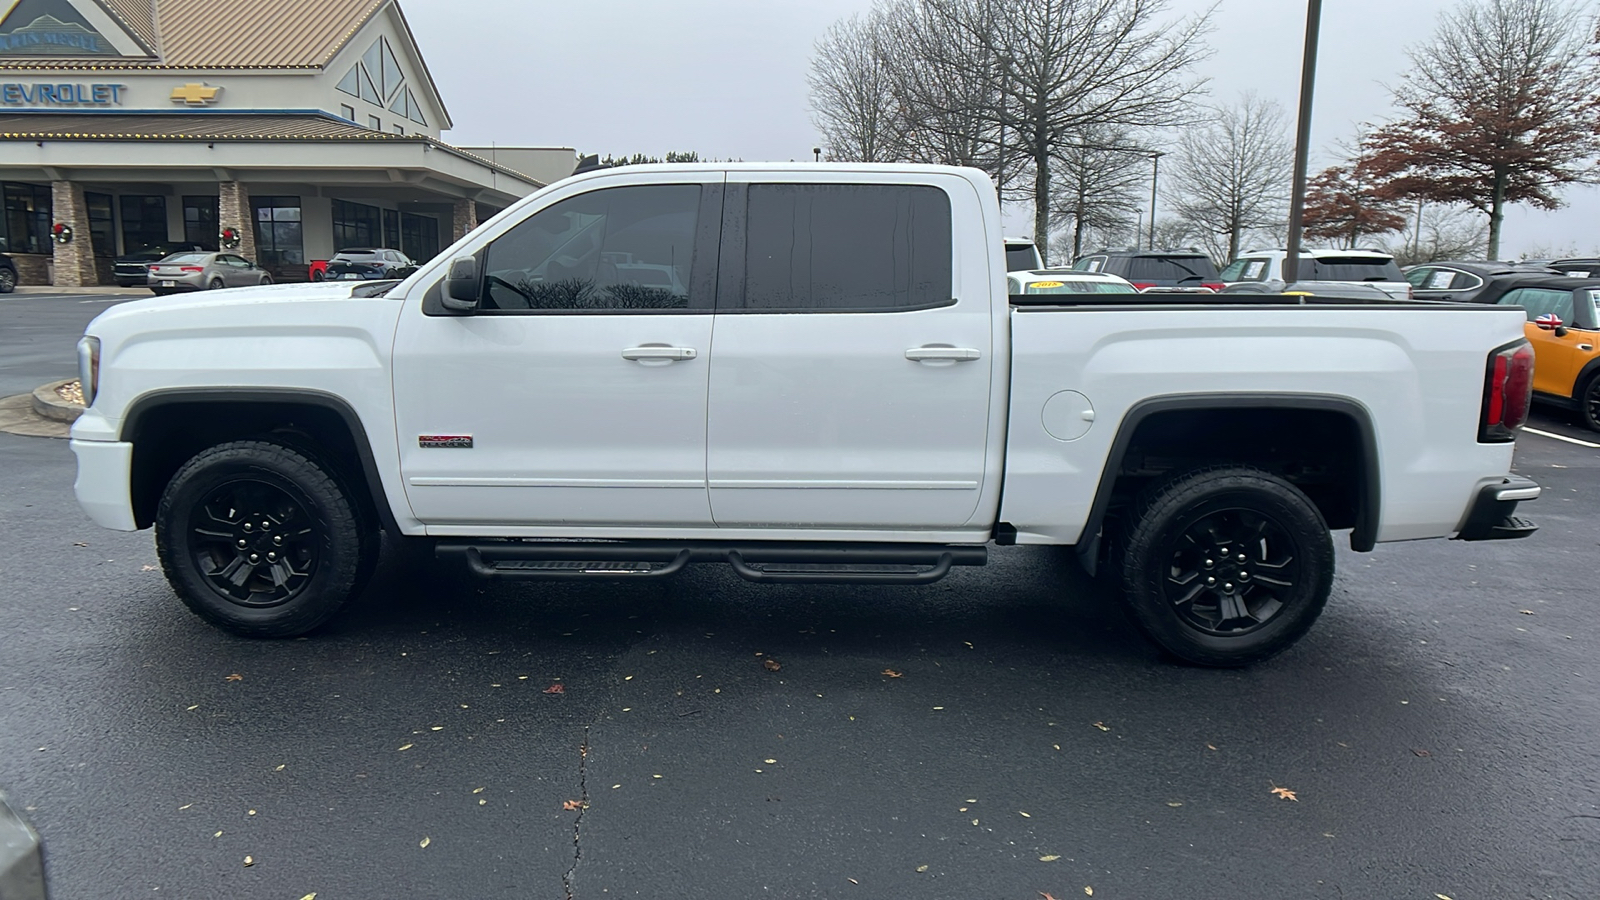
(105, 469)
(1490, 517)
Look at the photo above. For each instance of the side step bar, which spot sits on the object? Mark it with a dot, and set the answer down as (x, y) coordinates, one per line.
(792, 562)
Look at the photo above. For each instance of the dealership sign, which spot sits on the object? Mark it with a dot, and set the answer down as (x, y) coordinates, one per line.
(13, 93)
(49, 36)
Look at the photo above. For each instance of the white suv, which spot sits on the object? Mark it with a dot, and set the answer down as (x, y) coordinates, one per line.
(1373, 268)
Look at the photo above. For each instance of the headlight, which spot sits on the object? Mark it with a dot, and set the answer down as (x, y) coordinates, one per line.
(89, 368)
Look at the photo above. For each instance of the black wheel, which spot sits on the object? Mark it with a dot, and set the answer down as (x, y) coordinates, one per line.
(1589, 403)
(318, 275)
(1227, 566)
(262, 540)
(8, 281)
(216, 284)
(266, 279)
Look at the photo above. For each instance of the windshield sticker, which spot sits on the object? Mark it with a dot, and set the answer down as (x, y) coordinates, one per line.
(1254, 268)
(1440, 280)
(1043, 285)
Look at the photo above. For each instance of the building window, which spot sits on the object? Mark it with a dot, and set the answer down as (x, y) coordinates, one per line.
(399, 129)
(280, 243)
(27, 219)
(419, 236)
(356, 225)
(375, 123)
(102, 227)
(200, 220)
(144, 222)
(349, 112)
(391, 229)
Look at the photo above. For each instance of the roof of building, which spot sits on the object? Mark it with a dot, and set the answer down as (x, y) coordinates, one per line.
(228, 34)
(193, 127)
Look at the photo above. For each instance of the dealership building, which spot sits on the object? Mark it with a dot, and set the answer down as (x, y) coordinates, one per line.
(292, 127)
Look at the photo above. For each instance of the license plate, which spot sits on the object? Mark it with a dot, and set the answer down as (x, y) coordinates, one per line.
(350, 276)
(169, 284)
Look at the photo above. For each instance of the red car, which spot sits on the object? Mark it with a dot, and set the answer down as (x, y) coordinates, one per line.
(319, 270)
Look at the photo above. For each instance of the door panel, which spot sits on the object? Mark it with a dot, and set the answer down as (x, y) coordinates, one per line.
(576, 396)
(817, 416)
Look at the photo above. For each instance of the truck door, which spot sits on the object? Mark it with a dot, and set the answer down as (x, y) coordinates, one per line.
(576, 395)
(852, 358)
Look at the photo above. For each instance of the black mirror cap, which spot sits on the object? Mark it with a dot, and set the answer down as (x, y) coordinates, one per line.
(461, 288)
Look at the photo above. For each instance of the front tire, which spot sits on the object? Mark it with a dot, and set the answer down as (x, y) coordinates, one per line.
(8, 281)
(265, 279)
(1589, 403)
(1227, 566)
(262, 540)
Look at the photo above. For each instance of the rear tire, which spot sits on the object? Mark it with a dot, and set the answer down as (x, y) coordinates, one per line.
(1227, 566)
(216, 284)
(8, 281)
(1589, 403)
(262, 540)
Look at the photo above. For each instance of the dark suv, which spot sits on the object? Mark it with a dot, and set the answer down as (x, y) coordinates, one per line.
(1155, 268)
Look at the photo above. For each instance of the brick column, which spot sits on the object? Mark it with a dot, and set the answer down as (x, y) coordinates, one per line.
(74, 260)
(466, 219)
(233, 211)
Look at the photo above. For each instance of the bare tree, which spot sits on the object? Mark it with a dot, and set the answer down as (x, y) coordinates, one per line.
(1439, 233)
(1101, 176)
(852, 95)
(1502, 105)
(1233, 174)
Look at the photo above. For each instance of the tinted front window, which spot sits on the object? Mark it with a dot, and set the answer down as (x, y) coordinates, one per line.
(1244, 270)
(847, 247)
(1021, 258)
(1090, 264)
(1350, 268)
(1538, 302)
(617, 248)
(1170, 269)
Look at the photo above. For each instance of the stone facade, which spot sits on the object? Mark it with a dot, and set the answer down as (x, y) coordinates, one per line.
(32, 268)
(74, 260)
(233, 211)
(465, 219)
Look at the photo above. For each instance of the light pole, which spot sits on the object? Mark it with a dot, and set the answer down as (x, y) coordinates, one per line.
(1302, 142)
(817, 152)
(1155, 176)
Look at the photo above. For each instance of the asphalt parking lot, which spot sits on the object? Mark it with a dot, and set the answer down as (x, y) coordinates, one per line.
(1438, 726)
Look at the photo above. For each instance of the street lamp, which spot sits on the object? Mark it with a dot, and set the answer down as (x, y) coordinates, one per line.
(1302, 142)
(817, 152)
(1155, 176)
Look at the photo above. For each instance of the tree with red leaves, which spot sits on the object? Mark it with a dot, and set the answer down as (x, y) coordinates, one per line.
(1502, 106)
(1348, 202)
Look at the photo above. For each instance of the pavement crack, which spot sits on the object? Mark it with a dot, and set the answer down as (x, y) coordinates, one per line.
(577, 822)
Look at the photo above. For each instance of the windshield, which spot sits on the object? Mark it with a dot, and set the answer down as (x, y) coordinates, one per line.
(1352, 268)
(1244, 270)
(1078, 287)
(1186, 269)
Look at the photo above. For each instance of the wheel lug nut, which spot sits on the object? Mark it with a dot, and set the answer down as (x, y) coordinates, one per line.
(249, 528)
(266, 526)
(1210, 563)
(255, 557)
(1241, 557)
(1224, 551)
(272, 557)
(243, 543)
(1228, 586)
(1244, 576)
(277, 539)
(1211, 581)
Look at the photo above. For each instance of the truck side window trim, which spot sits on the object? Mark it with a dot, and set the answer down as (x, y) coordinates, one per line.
(732, 274)
(702, 279)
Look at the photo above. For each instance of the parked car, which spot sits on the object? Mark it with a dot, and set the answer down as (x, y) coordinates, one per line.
(205, 272)
(1065, 281)
(1564, 329)
(8, 274)
(1155, 268)
(1373, 267)
(1575, 267)
(133, 269)
(1022, 255)
(318, 270)
(369, 264)
(869, 412)
(1317, 290)
(1463, 281)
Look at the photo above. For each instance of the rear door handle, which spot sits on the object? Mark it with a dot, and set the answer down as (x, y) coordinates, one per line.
(918, 354)
(658, 352)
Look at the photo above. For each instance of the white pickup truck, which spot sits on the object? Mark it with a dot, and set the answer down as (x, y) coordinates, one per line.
(812, 373)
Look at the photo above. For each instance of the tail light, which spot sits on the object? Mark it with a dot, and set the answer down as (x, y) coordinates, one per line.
(1215, 286)
(1507, 393)
(1142, 285)
(191, 268)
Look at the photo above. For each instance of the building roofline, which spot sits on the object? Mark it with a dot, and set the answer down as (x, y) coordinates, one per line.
(422, 60)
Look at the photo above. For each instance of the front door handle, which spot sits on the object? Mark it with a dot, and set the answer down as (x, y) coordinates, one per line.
(659, 352)
(962, 354)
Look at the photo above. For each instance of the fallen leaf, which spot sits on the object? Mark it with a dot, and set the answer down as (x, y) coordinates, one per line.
(1051, 858)
(217, 835)
(1174, 804)
(153, 568)
(1285, 793)
(771, 665)
(194, 707)
(249, 861)
(477, 790)
(556, 689)
(1046, 896)
(278, 769)
(234, 677)
(570, 805)
(1023, 814)
(1423, 753)
(425, 842)
(891, 673)
(310, 896)
(1211, 746)
(405, 747)
(628, 678)
(438, 728)
(1088, 890)
(1102, 726)
(184, 807)
(80, 543)
(922, 868)
(1442, 897)
(852, 881)
(1526, 612)
(769, 761)
(482, 802)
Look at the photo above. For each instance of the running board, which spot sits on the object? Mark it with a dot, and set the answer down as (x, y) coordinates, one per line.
(792, 562)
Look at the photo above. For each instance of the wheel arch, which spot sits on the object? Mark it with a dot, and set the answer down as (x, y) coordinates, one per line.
(1367, 493)
(168, 427)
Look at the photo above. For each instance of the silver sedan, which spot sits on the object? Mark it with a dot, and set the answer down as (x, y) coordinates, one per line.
(204, 272)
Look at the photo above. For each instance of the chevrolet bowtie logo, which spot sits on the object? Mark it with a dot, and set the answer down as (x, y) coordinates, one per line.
(195, 94)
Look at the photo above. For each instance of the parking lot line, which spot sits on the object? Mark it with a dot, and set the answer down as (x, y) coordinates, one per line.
(1562, 437)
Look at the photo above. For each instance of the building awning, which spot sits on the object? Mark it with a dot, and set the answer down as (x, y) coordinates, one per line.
(196, 127)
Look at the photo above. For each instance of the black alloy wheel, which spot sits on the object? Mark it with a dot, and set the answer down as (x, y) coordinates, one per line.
(1589, 403)
(262, 539)
(1227, 566)
(8, 281)
(216, 284)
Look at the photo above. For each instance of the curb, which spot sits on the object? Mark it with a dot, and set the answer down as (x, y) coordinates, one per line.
(47, 403)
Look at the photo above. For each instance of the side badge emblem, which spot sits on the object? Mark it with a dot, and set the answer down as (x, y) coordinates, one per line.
(445, 441)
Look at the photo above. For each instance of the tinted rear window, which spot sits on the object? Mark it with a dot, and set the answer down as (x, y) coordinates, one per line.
(1021, 259)
(1171, 269)
(847, 247)
(1077, 287)
(187, 258)
(1351, 268)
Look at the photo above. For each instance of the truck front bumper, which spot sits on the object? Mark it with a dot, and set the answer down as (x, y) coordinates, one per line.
(105, 469)
(1491, 519)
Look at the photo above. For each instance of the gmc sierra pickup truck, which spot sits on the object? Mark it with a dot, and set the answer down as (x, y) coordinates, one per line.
(811, 373)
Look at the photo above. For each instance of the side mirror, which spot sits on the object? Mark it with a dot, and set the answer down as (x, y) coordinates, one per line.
(1548, 322)
(461, 289)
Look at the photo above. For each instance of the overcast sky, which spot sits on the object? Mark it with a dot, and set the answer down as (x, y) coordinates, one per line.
(726, 78)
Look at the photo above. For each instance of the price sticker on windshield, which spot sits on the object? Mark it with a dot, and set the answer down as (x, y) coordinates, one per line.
(1046, 284)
